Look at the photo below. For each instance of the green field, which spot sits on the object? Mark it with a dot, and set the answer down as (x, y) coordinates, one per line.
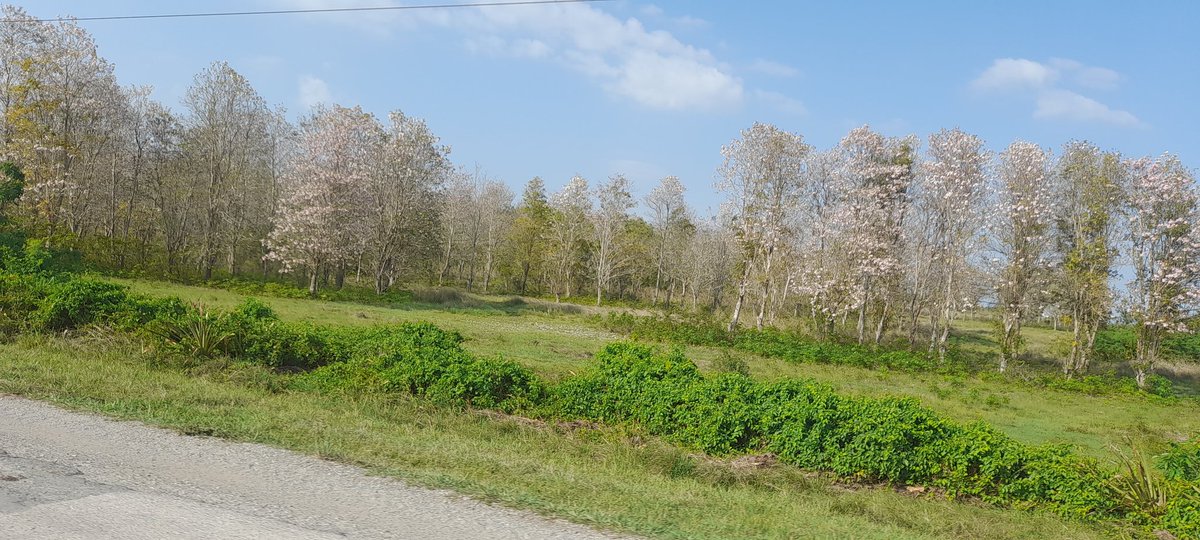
(557, 344)
(612, 477)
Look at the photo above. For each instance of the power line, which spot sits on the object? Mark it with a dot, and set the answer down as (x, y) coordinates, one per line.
(296, 11)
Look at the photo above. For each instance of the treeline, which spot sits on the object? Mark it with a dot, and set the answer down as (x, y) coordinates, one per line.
(874, 239)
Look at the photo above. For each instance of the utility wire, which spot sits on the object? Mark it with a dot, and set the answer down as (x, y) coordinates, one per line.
(294, 11)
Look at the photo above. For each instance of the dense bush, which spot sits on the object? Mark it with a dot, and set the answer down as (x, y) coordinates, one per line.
(77, 302)
(1181, 461)
(810, 425)
(423, 360)
(1183, 513)
(49, 302)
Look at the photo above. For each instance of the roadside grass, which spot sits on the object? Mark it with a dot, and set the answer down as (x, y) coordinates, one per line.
(611, 478)
(555, 345)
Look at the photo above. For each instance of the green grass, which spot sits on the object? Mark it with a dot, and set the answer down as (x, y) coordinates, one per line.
(557, 344)
(552, 344)
(611, 478)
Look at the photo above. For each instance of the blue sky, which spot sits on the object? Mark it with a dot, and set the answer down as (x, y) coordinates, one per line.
(655, 88)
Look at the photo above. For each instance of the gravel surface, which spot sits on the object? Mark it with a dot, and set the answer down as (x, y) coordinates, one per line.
(67, 475)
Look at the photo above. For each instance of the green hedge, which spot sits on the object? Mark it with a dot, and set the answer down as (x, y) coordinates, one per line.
(423, 360)
(809, 425)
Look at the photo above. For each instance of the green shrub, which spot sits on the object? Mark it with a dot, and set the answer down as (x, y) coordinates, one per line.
(1115, 344)
(422, 360)
(200, 333)
(1182, 517)
(1181, 461)
(76, 302)
(809, 425)
(254, 309)
(1184, 347)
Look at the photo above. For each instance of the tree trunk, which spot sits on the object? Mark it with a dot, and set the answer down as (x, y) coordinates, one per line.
(312, 282)
(767, 282)
(883, 316)
(737, 306)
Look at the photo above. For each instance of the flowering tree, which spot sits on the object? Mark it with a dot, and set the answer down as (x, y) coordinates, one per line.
(874, 179)
(1088, 196)
(1024, 213)
(568, 229)
(667, 213)
(323, 222)
(406, 194)
(761, 176)
(608, 226)
(1164, 246)
(951, 197)
(58, 99)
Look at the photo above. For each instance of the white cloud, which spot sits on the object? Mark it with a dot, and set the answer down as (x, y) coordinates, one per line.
(1050, 83)
(650, 67)
(674, 82)
(774, 69)
(313, 91)
(1015, 73)
(1065, 104)
(781, 102)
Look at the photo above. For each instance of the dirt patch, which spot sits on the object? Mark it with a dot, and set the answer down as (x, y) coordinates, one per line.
(562, 425)
(754, 461)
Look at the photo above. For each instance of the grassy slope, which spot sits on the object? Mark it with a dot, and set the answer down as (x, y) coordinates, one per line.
(609, 477)
(558, 344)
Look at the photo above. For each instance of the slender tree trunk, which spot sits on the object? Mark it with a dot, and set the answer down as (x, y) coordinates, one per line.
(741, 297)
(767, 282)
(883, 316)
(313, 284)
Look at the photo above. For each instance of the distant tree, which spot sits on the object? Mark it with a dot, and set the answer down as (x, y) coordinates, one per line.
(323, 223)
(951, 198)
(668, 213)
(609, 220)
(1088, 195)
(761, 177)
(528, 236)
(226, 138)
(875, 179)
(1164, 246)
(568, 231)
(405, 191)
(1020, 238)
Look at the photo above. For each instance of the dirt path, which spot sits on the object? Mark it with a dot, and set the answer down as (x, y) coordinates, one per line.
(67, 475)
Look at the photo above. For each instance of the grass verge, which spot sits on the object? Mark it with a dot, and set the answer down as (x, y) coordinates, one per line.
(611, 478)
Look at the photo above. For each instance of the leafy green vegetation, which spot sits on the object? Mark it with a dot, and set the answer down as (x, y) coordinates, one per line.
(639, 387)
(560, 345)
(615, 478)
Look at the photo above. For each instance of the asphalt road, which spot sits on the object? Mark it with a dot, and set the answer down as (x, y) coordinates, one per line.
(67, 475)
